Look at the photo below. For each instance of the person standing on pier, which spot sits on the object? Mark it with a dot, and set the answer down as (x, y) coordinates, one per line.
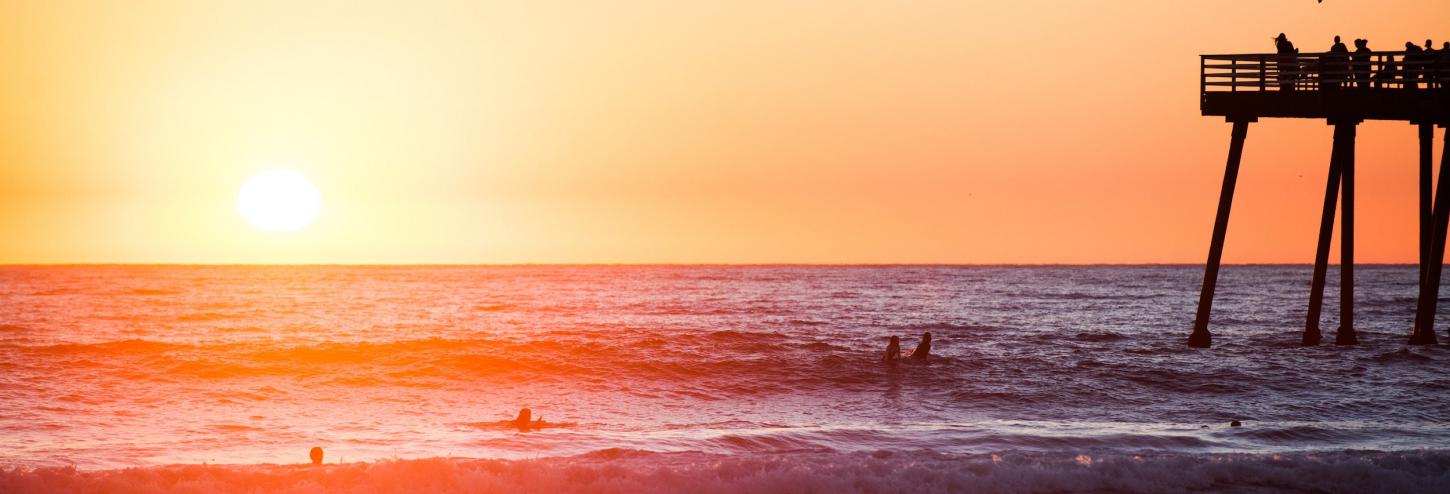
(1334, 66)
(1287, 61)
(1360, 62)
(1387, 73)
(1413, 66)
(1442, 66)
(1432, 62)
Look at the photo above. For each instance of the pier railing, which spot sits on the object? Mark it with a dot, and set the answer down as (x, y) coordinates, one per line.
(1324, 71)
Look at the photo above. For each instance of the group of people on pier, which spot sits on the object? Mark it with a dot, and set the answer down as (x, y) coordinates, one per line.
(1341, 68)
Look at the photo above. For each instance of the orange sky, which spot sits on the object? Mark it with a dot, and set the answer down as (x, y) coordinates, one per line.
(738, 132)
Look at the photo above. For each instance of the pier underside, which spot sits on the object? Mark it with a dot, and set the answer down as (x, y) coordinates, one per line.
(1410, 105)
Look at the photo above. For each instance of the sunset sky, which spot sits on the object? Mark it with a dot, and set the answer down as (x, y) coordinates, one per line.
(622, 132)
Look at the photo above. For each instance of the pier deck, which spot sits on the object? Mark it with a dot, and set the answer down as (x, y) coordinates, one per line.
(1374, 86)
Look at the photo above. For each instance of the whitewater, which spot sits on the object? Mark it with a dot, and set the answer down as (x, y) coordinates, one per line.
(709, 379)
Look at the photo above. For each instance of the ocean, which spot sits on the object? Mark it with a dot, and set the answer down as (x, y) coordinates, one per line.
(710, 379)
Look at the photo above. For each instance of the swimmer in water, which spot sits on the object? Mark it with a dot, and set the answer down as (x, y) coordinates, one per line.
(523, 421)
(893, 349)
(922, 349)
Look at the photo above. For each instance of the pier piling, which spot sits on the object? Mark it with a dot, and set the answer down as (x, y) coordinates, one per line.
(1430, 288)
(1200, 337)
(1312, 335)
(1344, 135)
(1419, 335)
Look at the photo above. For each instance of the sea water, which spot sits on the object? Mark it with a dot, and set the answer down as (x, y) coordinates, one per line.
(1041, 378)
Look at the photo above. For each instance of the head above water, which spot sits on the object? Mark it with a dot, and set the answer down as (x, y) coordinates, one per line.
(923, 349)
(524, 415)
(1336, 39)
(316, 455)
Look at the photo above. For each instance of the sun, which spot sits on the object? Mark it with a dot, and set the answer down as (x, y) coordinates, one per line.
(279, 200)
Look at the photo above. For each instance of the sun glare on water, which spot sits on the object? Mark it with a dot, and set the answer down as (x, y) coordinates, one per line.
(279, 200)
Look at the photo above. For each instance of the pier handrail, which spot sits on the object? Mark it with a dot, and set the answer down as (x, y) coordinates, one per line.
(1322, 71)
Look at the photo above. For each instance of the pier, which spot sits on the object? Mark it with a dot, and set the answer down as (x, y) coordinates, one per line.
(1343, 89)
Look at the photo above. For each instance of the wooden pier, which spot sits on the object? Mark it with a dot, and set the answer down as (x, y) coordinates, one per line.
(1344, 90)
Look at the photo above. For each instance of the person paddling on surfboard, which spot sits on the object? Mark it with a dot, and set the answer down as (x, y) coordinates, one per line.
(893, 349)
(923, 348)
(523, 421)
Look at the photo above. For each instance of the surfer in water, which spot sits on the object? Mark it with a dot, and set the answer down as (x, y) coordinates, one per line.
(923, 348)
(523, 422)
(893, 349)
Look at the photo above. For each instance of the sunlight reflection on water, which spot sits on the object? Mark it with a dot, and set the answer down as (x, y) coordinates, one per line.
(107, 366)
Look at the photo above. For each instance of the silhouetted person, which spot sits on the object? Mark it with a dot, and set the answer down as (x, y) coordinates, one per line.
(893, 349)
(316, 455)
(1360, 62)
(923, 348)
(1428, 57)
(1414, 65)
(1287, 62)
(1333, 66)
(1338, 46)
(1442, 65)
(1431, 64)
(523, 420)
(1387, 72)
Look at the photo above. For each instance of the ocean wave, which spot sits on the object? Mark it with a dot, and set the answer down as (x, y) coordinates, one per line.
(945, 327)
(1103, 336)
(1403, 355)
(151, 291)
(750, 363)
(207, 316)
(119, 347)
(1122, 295)
(635, 472)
